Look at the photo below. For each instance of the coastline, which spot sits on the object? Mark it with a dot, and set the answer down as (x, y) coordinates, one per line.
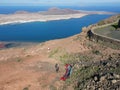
(24, 18)
(43, 16)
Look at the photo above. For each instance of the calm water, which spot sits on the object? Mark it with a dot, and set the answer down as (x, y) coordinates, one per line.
(13, 9)
(43, 31)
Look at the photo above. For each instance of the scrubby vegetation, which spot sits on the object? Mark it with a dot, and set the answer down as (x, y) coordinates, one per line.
(89, 75)
(59, 54)
(110, 20)
(26, 88)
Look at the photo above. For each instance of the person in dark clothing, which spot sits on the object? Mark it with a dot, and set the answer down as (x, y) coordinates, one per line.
(57, 67)
(90, 34)
(119, 23)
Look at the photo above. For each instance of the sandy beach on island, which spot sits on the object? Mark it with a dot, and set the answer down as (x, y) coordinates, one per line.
(23, 18)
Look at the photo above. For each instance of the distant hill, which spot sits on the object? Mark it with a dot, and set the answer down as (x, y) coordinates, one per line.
(58, 11)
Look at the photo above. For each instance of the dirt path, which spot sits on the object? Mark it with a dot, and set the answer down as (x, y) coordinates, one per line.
(33, 73)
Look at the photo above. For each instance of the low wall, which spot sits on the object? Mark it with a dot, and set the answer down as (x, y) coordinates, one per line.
(98, 37)
(106, 39)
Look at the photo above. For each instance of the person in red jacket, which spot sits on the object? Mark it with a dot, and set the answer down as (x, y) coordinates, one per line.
(68, 69)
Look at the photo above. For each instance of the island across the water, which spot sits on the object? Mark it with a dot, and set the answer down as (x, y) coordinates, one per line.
(51, 14)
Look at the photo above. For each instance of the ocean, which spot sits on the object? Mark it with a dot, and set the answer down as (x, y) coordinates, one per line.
(13, 9)
(44, 31)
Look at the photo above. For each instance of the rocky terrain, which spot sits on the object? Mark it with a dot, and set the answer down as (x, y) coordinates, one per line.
(99, 75)
(97, 69)
(110, 20)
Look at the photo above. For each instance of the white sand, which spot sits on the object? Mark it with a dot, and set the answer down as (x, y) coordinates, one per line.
(32, 17)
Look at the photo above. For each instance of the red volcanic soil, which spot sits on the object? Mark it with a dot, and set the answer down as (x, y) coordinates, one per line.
(31, 68)
(2, 45)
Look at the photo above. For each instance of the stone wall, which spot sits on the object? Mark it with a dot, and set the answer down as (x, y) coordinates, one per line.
(92, 35)
(99, 37)
(105, 39)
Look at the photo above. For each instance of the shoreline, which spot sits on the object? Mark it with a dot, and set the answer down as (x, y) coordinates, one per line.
(25, 18)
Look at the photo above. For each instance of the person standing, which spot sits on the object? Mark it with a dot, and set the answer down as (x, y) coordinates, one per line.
(57, 67)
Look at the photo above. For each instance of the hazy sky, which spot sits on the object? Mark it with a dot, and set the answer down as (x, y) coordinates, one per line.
(59, 2)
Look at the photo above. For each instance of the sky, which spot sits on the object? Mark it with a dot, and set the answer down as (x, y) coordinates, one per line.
(59, 2)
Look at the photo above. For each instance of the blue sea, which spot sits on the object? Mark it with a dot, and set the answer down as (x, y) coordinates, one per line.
(13, 9)
(44, 31)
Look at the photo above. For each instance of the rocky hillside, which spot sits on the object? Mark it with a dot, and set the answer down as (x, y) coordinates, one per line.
(98, 68)
(100, 75)
(109, 20)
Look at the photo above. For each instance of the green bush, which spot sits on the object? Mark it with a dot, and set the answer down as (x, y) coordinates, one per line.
(97, 52)
(53, 52)
(101, 23)
(26, 88)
